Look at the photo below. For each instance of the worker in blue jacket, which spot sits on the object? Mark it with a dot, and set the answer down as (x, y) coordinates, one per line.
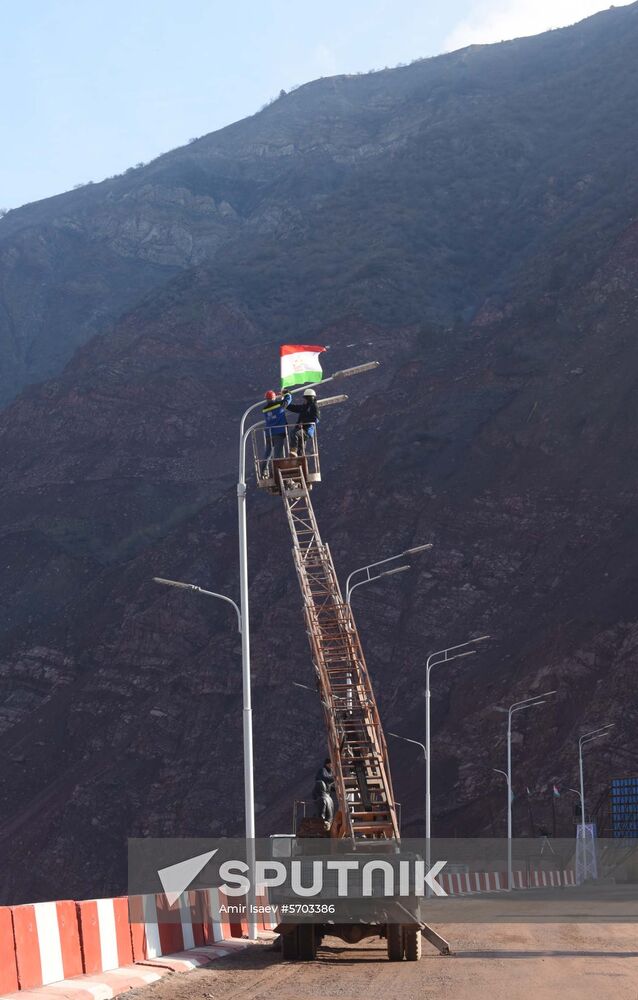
(274, 413)
(306, 422)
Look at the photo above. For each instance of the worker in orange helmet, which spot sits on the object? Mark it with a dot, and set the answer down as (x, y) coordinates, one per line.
(274, 414)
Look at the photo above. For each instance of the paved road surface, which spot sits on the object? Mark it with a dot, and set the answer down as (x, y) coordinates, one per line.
(491, 962)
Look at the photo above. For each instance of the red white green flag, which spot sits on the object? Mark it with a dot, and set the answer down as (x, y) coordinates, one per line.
(299, 364)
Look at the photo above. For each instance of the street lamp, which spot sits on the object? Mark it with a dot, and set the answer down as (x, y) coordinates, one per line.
(434, 660)
(249, 783)
(585, 846)
(200, 590)
(415, 742)
(382, 562)
(594, 734)
(387, 572)
(332, 400)
(517, 706)
(576, 792)
(370, 579)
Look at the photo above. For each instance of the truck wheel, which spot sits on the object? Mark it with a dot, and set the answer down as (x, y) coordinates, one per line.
(412, 938)
(307, 942)
(394, 934)
(290, 945)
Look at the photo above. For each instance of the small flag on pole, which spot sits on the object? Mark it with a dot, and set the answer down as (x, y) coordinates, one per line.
(555, 791)
(299, 364)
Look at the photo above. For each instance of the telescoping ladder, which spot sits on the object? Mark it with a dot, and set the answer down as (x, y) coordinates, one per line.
(357, 745)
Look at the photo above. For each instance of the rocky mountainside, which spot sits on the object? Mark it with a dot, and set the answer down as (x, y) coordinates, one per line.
(470, 221)
(407, 195)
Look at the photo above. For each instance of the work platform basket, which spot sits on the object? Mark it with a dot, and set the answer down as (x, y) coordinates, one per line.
(273, 453)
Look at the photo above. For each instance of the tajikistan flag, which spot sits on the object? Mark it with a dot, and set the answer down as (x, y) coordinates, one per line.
(299, 364)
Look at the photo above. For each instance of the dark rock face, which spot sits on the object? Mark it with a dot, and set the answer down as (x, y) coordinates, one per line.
(470, 222)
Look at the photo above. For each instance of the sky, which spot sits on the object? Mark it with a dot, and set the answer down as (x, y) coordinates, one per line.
(91, 87)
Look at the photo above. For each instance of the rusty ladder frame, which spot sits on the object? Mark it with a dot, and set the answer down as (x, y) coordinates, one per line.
(357, 745)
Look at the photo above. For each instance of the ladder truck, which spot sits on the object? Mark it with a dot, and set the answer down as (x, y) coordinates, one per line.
(366, 813)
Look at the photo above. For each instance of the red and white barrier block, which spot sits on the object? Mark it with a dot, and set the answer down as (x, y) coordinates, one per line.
(185, 936)
(85, 950)
(548, 879)
(47, 943)
(469, 883)
(8, 967)
(54, 943)
(267, 919)
(105, 934)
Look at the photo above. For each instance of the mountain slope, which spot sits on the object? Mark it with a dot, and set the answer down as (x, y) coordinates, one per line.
(411, 193)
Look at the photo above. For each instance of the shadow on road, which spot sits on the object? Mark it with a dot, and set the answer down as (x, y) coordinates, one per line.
(546, 954)
(350, 955)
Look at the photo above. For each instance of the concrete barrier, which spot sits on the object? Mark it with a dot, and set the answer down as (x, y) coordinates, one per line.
(218, 929)
(267, 919)
(47, 943)
(463, 884)
(8, 966)
(105, 934)
(85, 949)
(236, 921)
(200, 935)
(157, 929)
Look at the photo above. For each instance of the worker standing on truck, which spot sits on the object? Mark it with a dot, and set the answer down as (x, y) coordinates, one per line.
(325, 774)
(274, 413)
(306, 422)
(321, 793)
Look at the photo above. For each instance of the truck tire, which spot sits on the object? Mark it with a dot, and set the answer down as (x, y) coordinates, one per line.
(394, 935)
(307, 939)
(412, 940)
(290, 945)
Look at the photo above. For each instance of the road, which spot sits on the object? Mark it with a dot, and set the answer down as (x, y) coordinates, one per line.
(490, 962)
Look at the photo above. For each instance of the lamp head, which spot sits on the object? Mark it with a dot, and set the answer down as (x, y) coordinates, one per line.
(357, 370)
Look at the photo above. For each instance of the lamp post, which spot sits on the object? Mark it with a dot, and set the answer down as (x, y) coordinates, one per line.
(435, 660)
(504, 773)
(416, 743)
(252, 920)
(370, 579)
(517, 706)
(382, 562)
(593, 734)
(249, 783)
(586, 866)
(576, 792)
(200, 590)
(387, 572)
(304, 687)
